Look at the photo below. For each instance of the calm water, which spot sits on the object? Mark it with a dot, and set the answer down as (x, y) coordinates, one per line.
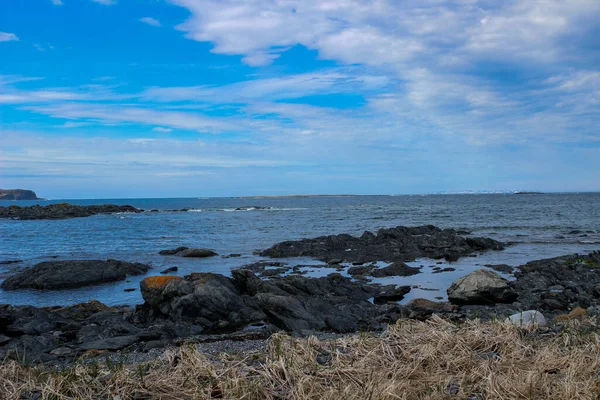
(541, 225)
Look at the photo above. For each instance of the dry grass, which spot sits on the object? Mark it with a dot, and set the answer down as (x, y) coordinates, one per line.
(412, 360)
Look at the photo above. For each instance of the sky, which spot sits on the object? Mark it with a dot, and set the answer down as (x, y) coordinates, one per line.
(184, 98)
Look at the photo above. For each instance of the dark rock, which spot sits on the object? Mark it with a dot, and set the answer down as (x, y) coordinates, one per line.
(8, 262)
(439, 270)
(507, 269)
(28, 348)
(395, 269)
(169, 270)
(394, 244)
(17, 194)
(130, 290)
(394, 294)
(114, 343)
(56, 275)
(172, 252)
(188, 252)
(422, 308)
(360, 270)
(62, 211)
(197, 253)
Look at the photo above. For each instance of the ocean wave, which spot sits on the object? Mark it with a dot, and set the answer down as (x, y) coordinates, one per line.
(194, 210)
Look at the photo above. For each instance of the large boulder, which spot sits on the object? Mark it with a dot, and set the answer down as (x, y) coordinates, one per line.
(481, 287)
(56, 275)
(210, 300)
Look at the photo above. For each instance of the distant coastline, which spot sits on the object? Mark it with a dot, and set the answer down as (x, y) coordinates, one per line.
(18, 194)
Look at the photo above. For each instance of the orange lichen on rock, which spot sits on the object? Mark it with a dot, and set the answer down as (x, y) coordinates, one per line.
(576, 313)
(156, 282)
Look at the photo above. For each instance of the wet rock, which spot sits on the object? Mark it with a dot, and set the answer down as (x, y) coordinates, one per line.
(394, 244)
(360, 270)
(169, 270)
(527, 319)
(56, 275)
(394, 294)
(172, 252)
(440, 270)
(8, 262)
(62, 211)
(197, 253)
(130, 290)
(188, 252)
(507, 269)
(395, 269)
(559, 284)
(481, 287)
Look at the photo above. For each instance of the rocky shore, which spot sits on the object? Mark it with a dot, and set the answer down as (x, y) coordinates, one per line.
(216, 307)
(266, 297)
(62, 211)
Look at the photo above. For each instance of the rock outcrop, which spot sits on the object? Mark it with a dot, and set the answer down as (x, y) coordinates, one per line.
(481, 287)
(17, 194)
(56, 275)
(62, 211)
(390, 245)
(294, 303)
(188, 252)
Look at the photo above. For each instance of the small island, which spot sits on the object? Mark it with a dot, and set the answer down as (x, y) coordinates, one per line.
(18, 194)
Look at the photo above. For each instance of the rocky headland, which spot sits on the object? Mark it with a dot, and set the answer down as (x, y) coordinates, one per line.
(62, 211)
(17, 194)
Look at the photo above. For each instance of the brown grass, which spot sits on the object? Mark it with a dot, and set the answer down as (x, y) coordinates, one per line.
(412, 360)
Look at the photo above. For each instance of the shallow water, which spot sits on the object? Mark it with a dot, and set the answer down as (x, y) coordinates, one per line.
(541, 226)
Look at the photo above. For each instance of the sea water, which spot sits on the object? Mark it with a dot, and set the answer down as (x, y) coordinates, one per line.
(538, 225)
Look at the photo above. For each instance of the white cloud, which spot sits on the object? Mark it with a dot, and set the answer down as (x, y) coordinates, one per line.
(8, 37)
(161, 129)
(57, 2)
(105, 2)
(150, 21)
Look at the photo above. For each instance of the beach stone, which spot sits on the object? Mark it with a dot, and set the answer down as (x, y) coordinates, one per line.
(68, 274)
(169, 270)
(481, 287)
(527, 319)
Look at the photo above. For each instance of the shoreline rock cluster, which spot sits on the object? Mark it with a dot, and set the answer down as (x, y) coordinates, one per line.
(394, 244)
(62, 211)
(220, 307)
(206, 304)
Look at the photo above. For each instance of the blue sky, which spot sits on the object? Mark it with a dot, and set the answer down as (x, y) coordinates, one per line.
(151, 98)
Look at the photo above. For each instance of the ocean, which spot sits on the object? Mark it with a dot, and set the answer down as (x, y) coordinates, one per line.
(538, 225)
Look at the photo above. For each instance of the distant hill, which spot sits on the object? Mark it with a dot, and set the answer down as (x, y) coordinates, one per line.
(17, 194)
